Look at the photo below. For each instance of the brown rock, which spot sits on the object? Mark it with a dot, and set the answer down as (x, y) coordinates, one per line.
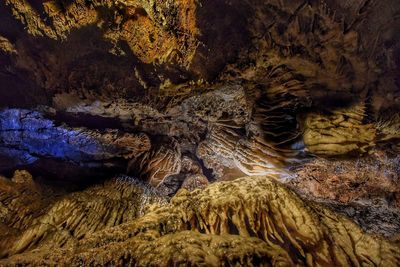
(239, 222)
(196, 181)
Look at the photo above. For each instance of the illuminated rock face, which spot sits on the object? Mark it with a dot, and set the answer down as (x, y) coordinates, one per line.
(113, 105)
(27, 137)
(117, 48)
(34, 216)
(248, 221)
(365, 189)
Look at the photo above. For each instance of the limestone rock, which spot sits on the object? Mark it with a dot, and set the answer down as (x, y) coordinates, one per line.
(341, 133)
(159, 163)
(36, 216)
(256, 219)
(31, 134)
(194, 94)
(366, 190)
(196, 181)
(6, 46)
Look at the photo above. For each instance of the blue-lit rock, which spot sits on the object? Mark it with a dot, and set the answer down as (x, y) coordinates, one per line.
(27, 135)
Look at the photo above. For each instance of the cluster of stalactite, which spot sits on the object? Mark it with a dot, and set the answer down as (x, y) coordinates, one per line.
(127, 102)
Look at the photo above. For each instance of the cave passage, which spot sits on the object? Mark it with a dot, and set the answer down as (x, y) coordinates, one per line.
(197, 132)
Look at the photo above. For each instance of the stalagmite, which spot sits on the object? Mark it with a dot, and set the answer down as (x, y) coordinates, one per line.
(199, 133)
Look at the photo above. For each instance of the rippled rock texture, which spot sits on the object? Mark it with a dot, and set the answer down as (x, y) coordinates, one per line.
(129, 124)
(249, 221)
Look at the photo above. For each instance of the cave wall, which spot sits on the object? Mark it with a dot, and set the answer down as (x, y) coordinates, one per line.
(107, 100)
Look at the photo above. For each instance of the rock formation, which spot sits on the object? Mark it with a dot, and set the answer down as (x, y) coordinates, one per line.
(228, 223)
(41, 216)
(231, 132)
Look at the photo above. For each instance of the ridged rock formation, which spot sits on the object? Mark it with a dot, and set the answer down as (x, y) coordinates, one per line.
(33, 216)
(159, 163)
(115, 105)
(246, 222)
(340, 133)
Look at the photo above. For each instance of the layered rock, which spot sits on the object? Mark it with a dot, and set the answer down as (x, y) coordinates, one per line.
(343, 132)
(33, 136)
(158, 164)
(65, 46)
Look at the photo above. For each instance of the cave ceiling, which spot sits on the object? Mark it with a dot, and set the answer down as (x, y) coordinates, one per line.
(199, 132)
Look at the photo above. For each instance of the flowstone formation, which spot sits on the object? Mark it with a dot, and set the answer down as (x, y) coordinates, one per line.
(40, 216)
(187, 132)
(249, 221)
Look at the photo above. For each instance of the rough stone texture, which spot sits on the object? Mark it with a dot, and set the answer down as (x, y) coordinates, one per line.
(32, 135)
(247, 222)
(158, 164)
(116, 47)
(33, 215)
(182, 93)
(366, 189)
(196, 181)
